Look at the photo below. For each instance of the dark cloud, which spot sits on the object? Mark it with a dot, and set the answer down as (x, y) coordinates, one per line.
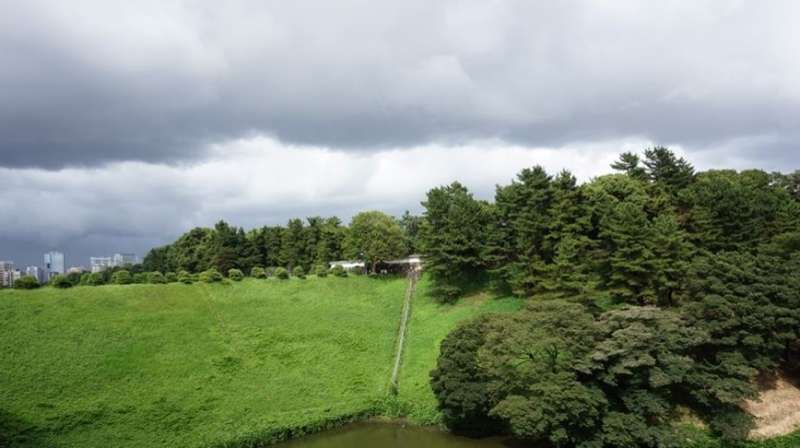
(92, 82)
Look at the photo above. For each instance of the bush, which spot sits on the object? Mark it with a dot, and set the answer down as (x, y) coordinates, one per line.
(321, 271)
(122, 277)
(338, 271)
(235, 275)
(84, 279)
(210, 276)
(270, 271)
(185, 278)
(281, 273)
(60, 281)
(258, 272)
(171, 277)
(95, 279)
(156, 278)
(140, 277)
(26, 282)
(299, 272)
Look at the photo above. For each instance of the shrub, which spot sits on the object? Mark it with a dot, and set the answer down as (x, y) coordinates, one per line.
(74, 278)
(321, 270)
(281, 273)
(270, 271)
(258, 272)
(95, 279)
(122, 277)
(84, 279)
(338, 271)
(299, 272)
(185, 277)
(171, 277)
(60, 281)
(210, 276)
(26, 282)
(140, 277)
(235, 275)
(156, 278)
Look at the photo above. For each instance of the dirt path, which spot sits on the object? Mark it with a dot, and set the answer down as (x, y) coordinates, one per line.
(777, 411)
(413, 276)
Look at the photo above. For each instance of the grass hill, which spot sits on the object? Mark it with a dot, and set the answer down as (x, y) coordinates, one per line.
(210, 364)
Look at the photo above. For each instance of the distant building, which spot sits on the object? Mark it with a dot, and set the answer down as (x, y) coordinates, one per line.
(53, 264)
(6, 274)
(76, 270)
(35, 272)
(348, 264)
(99, 264)
(120, 260)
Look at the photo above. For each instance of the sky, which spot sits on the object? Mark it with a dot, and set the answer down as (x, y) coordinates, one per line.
(124, 124)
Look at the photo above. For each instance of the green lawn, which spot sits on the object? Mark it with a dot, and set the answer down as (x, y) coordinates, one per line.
(192, 365)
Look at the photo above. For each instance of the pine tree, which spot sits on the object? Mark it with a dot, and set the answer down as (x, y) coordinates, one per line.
(627, 235)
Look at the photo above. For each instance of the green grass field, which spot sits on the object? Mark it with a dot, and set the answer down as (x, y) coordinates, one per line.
(200, 365)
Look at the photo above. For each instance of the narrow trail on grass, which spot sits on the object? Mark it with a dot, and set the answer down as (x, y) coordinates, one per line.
(413, 276)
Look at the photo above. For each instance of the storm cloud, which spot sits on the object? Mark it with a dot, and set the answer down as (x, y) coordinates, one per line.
(89, 82)
(123, 124)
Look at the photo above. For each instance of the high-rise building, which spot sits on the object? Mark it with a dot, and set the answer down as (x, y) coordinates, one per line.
(124, 259)
(98, 264)
(53, 264)
(35, 272)
(6, 274)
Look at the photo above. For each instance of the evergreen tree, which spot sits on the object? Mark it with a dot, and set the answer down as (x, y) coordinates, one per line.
(453, 238)
(629, 163)
(627, 236)
(292, 244)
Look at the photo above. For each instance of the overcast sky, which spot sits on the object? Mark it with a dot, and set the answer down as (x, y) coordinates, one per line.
(123, 124)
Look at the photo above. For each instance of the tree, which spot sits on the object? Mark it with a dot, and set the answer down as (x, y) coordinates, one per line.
(26, 282)
(663, 167)
(671, 254)
(629, 163)
(411, 225)
(452, 237)
(292, 244)
(627, 236)
(460, 384)
(374, 236)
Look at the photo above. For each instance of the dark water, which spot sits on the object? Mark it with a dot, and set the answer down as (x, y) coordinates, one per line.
(390, 436)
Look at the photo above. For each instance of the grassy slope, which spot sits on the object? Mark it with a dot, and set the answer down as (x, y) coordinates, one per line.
(179, 365)
(430, 323)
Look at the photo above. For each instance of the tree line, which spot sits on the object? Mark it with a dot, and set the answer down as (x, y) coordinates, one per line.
(371, 237)
(655, 289)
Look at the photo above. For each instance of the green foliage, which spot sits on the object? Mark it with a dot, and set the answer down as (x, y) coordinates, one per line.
(338, 271)
(140, 277)
(281, 273)
(299, 272)
(26, 282)
(258, 272)
(452, 237)
(185, 278)
(95, 279)
(321, 270)
(210, 276)
(156, 278)
(374, 236)
(121, 277)
(171, 277)
(235, 275)
(60, 281)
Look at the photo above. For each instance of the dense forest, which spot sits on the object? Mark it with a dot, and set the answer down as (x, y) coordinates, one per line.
(656, 293)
